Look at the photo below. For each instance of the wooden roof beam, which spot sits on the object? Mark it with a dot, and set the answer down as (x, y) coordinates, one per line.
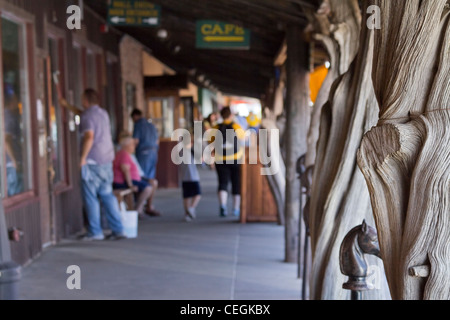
(306, 4)
(272, 11)
(256, 25)
(248, 62)
(211, 65)
(260, 42)
(241, 91)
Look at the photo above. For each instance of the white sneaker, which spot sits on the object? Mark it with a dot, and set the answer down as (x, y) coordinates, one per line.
(191, 212)
(187, 219)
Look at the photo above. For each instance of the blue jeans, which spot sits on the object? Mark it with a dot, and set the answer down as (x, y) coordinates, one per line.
(96, 182)
(14, 185)
(148, 161)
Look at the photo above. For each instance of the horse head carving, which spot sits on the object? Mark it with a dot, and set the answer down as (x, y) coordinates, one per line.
(359, 242)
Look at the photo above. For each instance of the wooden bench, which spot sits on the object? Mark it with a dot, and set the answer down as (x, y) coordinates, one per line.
(126, 195)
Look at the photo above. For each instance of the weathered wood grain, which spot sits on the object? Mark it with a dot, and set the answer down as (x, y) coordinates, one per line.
(405, 158)
(340, 199)
(297, 124)
(337, 27)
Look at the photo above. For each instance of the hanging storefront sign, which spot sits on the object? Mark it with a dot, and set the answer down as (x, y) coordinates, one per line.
(133, 13)
(220, 35)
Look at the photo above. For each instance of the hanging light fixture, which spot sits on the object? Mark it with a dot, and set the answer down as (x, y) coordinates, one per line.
(176, 49)
(162, 34)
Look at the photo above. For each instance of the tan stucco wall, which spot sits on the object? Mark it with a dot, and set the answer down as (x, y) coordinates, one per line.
(153, 67)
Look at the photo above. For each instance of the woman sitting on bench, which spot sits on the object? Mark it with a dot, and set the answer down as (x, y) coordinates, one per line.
(126, 174)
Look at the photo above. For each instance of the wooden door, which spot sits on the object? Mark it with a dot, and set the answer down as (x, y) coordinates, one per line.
(50, 170)
(43, 183)
(59, 181)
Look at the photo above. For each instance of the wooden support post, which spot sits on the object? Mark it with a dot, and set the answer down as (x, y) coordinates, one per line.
(298, 118)
(405, 158)
(5, 250)
(244, 177)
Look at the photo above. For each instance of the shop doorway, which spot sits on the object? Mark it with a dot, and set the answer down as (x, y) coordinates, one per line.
(54, 126)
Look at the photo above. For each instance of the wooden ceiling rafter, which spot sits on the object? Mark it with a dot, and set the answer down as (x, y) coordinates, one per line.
(237, 59)
(275, 12)
(242, 77)
(259, 27)
(231, 71)
(188, 33)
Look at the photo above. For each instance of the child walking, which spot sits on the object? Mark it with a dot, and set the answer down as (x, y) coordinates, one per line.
(190, 183)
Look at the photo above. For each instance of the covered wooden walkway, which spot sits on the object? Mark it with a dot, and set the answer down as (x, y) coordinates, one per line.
(210, 259)
(371, 145)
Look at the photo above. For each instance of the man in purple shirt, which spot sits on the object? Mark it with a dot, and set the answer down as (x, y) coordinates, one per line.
(97, 155)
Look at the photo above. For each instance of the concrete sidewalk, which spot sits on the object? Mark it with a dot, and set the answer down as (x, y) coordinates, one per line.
(211, 258)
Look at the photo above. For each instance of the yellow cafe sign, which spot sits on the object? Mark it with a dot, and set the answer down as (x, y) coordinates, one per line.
(220, 35)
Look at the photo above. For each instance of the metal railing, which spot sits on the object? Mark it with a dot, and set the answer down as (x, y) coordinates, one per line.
(305, 177)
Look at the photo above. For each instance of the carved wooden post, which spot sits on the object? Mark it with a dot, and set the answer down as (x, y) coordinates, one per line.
(405, 158)
(298, 117)
(339, 197)
(337, 26)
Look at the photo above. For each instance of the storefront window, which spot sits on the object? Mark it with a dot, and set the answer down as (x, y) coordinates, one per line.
(91, 70)
(131, 101)
(161, 113)
(187, 116)
(15, 109)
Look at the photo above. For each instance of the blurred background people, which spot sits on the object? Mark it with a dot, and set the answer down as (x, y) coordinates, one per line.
(127, 175)
(97, 155)
(211, 121)
(190, 184)
(227, 162)
(147, 140)
(253, 121)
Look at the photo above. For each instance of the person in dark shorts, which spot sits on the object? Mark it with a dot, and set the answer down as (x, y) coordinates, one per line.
(190, 183)
(227, 162)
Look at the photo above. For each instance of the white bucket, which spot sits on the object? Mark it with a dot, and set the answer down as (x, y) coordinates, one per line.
(129, 222)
